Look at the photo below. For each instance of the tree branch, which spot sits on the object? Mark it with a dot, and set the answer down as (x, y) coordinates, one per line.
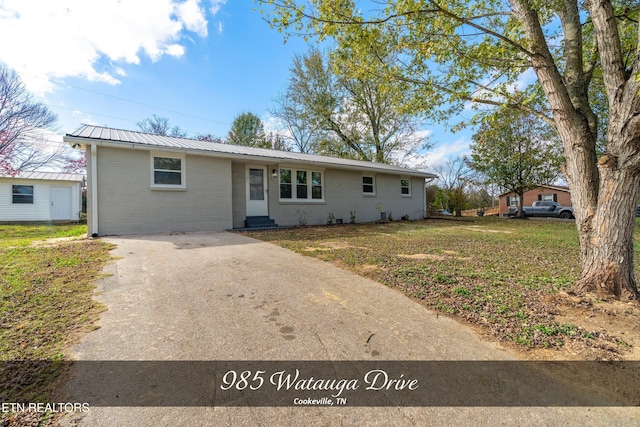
(437, 9)
(608, 39)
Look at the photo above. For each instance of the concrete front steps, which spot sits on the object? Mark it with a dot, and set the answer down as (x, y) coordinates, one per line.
(259, 222)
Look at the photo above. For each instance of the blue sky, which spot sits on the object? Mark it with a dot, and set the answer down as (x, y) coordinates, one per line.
(197, 62)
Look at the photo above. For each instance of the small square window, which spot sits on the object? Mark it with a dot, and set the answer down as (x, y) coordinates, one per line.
(168, 172)
(405, 187)
(22, 194)
(368, 186)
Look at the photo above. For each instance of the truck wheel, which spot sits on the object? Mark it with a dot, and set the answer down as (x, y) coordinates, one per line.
(566, 215)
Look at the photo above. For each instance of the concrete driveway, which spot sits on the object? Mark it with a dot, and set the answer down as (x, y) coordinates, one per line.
(223, 296)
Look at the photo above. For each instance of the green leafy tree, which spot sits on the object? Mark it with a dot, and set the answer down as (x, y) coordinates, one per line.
(247, 129)
(431, 192)
(441, 200)
(453, 53)
(355, 117)
(479, 197)
(516, 151)
(160, 126)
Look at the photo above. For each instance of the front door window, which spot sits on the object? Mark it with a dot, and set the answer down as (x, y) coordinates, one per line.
(256, 184)
(256, 191)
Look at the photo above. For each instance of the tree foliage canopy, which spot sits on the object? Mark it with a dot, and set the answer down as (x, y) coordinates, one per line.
(340, 115)
(516, 151)
(247, 129)
(456, 53)
(452, 52)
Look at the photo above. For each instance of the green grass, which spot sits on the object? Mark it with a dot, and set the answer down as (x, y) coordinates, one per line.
(46, 298)
(492, 272)
(26, 234)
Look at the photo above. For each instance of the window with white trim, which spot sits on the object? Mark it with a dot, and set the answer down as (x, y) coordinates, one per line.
(22, 194)
(302, 190)
(368, 185)
(316, 185)
(301, 184)
(513, 201)
(405, 187)
(167, 171)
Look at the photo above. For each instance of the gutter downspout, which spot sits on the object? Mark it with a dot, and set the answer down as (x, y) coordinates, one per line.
(94, 191)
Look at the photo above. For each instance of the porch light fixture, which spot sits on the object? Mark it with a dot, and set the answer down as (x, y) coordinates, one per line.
(274, 173)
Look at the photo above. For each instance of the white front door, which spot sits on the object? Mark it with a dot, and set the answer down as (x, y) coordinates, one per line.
(257, 203)
(61, 203)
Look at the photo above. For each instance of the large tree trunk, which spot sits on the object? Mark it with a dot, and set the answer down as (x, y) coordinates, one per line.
(607, 262)
(603, 193)
(607, 265)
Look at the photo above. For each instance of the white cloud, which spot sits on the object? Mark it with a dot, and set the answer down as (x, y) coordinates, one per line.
(66, 38)
(216, 5)
(193, 17)
(272, 123)
(447, 150)
(119, 71)
(525, 79)
(174, 50)
(414, 156)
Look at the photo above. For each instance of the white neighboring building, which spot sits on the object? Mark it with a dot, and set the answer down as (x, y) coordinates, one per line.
(41, 196)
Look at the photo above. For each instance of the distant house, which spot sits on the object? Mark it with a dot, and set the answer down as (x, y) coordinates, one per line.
(557, 193)
(142, 183)
(40, 196)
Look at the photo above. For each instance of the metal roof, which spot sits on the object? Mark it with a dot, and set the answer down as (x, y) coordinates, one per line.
(88, 134)
(46, 176)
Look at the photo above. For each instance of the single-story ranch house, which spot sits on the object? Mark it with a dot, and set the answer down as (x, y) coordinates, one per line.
(143, 183)
(41, 196)
(556, 193)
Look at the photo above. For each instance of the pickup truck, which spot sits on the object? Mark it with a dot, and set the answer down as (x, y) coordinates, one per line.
(544, 209)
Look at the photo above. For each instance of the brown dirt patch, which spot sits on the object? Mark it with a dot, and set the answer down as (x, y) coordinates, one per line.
(333, 245)
(370, 271)
(612, 329)
(434, 257)
(486, 230)
(618, 318)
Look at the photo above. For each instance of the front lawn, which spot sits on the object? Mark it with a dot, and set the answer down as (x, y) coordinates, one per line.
(46, 283)
(510, 277)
